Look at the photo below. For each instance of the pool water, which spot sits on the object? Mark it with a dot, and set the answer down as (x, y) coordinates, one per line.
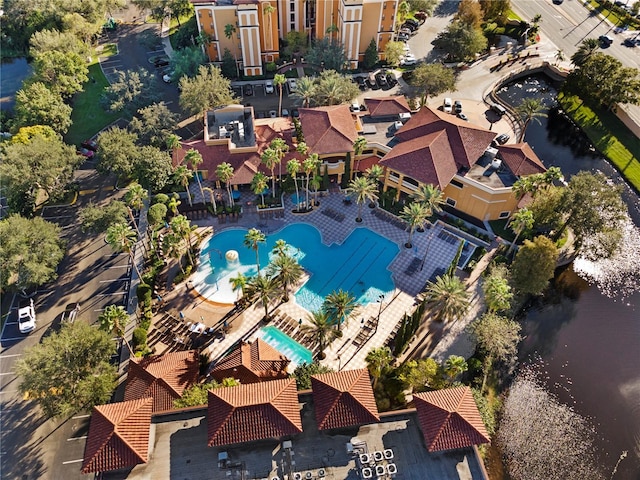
(286, 346)
(359, 265)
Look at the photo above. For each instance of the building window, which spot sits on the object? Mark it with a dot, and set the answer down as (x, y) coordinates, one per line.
(293, 18)
(456, 183)
(199, 14)
(384, 6)
(212, 25)
(292, 5)
(451, 202)
(209, 13)
(382, 17)
(505, 214)
(293, 26)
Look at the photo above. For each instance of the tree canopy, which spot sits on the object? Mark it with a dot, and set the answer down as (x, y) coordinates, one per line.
(153, 168)
(209, 89)
(64, 73)
(303, 373)
(431, 79)
(154, 124)
(327, 53)
(68, 371)
(117, 151)
(370, 55)
(393, 51)
(330, 88)
(38, 105)
(534, 265)
(186, 61)
(461, 41)
(98, 219)
(132, 90)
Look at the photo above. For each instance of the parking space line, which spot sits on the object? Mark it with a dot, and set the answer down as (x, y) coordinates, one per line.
(72, 461)
(7, 373)
(109, 294)
(8, 392)
(80, 416)
(115, 280)
(12, 339)
(119, 266)
(11, 355)
(76, 438)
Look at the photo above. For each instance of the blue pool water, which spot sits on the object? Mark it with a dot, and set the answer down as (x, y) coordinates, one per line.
(286, 346)
(359, 265)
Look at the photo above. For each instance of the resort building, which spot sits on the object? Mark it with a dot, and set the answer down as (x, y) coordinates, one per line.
(251, 29)
(252, 362)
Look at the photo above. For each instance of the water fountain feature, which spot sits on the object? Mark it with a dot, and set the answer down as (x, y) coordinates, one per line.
(588, 330)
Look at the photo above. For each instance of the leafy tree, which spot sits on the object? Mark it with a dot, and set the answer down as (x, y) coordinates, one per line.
(547, 210)
(419, 375)
(495, 10)
(328, 53)
(469, 13)
(303, 373)
(461, 42)
(453, 367)
(252, 239)
(534, 265)
(134, 200)
(64, 73)
(97, 219)
(83, 26)
(521, 221)
(279, 146)
(198, 394)
(447, 298)
(209, 89)
(30, 251)
(186, 61)
(431, 79)
(427, 6)
(339, 306)
(69, 370)
(296, 44)
(154, 124)
(121, 238)
(587, 48)
(497, 291)
(498, 339)
(42, 164)
(152, 168)
(270, 158)
(530, 109)
(117, 152)
(310, 165)
(415, 214)
(378, 360)
(56, 41)
(278, 81)
(364, 189)
(113, 320)
(26, 134)
(370, 55)
(430, 196)
(239, 282)
(37, 105)
(156, 214)
(225, 172)
(182, 227)
(541, 438)
(393, 52)
(229, 67)
(131, 91)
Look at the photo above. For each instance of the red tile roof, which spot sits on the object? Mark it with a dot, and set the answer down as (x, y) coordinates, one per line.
(328, 130)
(343, 399)
(252, 362)
(163, 377)
(450, 419)
(118, 436)
(364, 163)
(427, 159)
(387, 106)
(256, 411)
(467, 141)
(521, 159)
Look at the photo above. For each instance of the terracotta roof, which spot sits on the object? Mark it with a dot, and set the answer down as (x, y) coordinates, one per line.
(364, 163)
(343, 399)
(252, 362)
(450, 419)
(467, 141)
(256, 411)
(387, 106)
(118, 436)
(521, 159)
(427, 159)
(163, 377)
(328, 130)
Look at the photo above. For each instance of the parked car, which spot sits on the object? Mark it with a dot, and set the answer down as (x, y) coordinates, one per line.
(268, 86)
(409, 26)
(292, 84)
(285, 112)
(26, 317)
(502, 138)
(90, 145)
(382, 80)
(273, 114)
(421, 16)
(167, 77)
(409, 59)
(408, 31)
(499, 109)
(393, 128)
(391, 79)
(457, 106)
(372, 82)
(295, 113)
(248, 90)
(403, 37)
(85, 152)
(361, 83)
(605, 40)
(630, 42)
(447, 105)
(70, 313)
(159, 60)
(412, 22)
(462, 116)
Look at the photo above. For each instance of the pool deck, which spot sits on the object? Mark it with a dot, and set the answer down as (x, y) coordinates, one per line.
(374, 323)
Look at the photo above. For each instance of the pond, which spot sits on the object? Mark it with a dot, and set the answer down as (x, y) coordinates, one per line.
(13, 71)
(586, 334)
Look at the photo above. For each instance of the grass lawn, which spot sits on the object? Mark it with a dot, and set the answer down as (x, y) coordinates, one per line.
(174, 28)
(609, 135)
(500, 228)
(88, 115)
(613, 15)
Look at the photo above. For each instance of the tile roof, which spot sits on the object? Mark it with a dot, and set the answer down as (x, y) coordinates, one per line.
(387, 106)
(343, 399)
(163, 377)
(118, 436)
(252, 362)
(467, 141)
(256, 411)
(450, 419)
(328, 130)
(427, 159)
(521, 159)
(365, 163)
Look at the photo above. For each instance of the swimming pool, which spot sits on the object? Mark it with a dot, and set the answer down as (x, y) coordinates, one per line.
(286, 345)
(359, 265)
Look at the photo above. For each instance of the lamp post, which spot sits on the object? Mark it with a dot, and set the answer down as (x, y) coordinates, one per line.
(380, 299)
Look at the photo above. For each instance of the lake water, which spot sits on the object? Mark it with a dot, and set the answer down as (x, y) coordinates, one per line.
(586, 334)
(12, 73)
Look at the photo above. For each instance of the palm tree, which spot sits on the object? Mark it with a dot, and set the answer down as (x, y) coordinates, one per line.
(270, 158)
(364, 189)
(453, 366)
(194, 158)
(280, 247)
(447, 298)
(238, 282)
(316, 181)
(114, 319)
(293, 167)
(251, 240)
(173, 142)
(430, 196)
(320, 329)
(585, 51)
(134, 200)
(259, 184)
(340, 305)
(121, 237)
(415, 214)
(267, 289)
(358, 147)
(174, 246)
(229, 30)
(374, 172)
(305, 91)
(173, 204)
(267, 11)
(530, 109)
(287, 271)
(181, 226)
(225, 171)
(309, 165)
(302, 148)
(559, 57)
(182, 175)
(331, 29)
(522, 220)
(378, 360)
(279, 146)
(279, 80)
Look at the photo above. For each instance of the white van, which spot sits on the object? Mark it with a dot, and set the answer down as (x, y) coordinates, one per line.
(447, 105)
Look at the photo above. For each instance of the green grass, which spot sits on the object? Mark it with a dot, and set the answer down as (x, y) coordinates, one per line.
(609, 135)
(615, 15)
(500, 228)
(511, 15)
(88, 115)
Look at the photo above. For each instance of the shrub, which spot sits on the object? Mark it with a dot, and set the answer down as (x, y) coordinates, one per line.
(139, 340)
